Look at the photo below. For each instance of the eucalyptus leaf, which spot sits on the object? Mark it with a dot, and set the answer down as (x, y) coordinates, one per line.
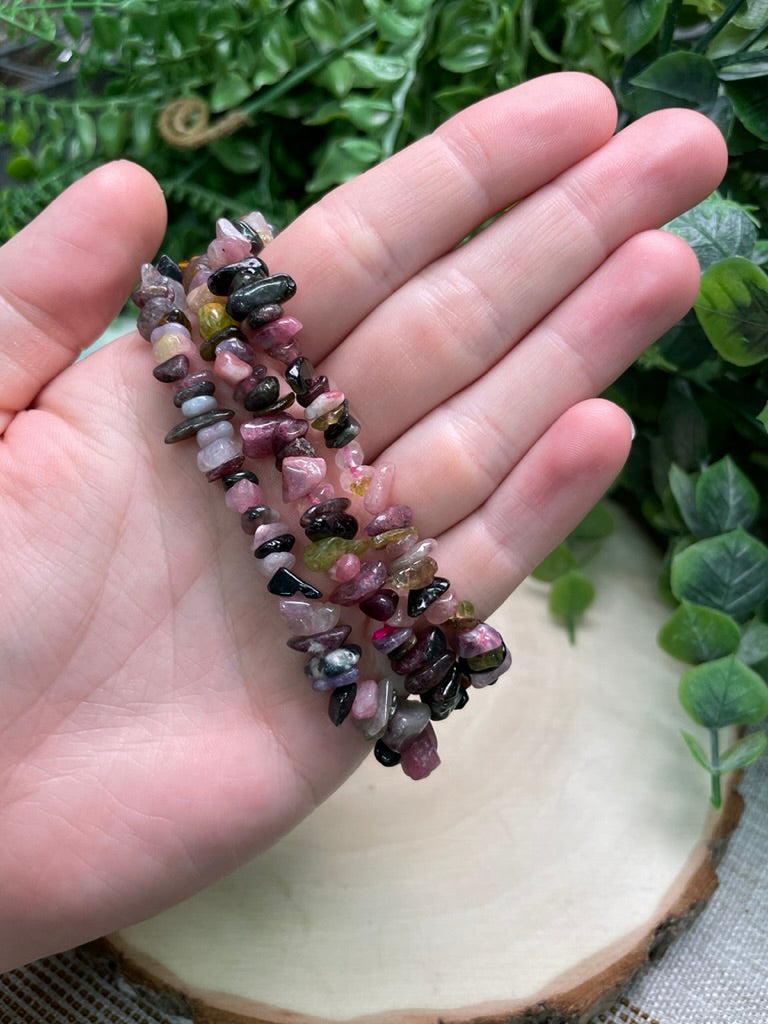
(570, 596)
(696, 634)
(634, 22)
(598, 523)
(724, 692)
(715, 229)
(753, 647)
(683, 487)
(557, 563)
(725, 498)
(732, 307)
(728, 572)
(744, 752)
(696, 749)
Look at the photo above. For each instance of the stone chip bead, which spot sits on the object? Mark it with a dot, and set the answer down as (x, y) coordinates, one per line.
(191, 386)
(420, 598)
(408, 721)
(417, 575)
(269, 290)
(300, 476)
(221, 280)
(307, 617)
(341, 702)
(375, 726)
(371, 578)
(320, 555)
(254, 517)
(220, 453)
(393, 518)
(420, 758)
(320, 643)
(380, 606)
(190, 426)
(175, 368)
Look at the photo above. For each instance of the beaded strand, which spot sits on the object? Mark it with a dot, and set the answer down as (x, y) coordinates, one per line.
(209, 319)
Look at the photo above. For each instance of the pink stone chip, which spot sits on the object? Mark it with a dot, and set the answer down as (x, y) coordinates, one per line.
(300, 475)
(421, 758)
(442, 609)
(230, 368)
(366, 700)
(274, 334)
(306, 617)
(257, 435)
(379, 489)
(243, 495)
(345, 568)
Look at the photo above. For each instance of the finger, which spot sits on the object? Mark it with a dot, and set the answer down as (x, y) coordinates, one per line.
(461, 315)
(65, 277)
(544, 497)
(356, 246)
(482, 432)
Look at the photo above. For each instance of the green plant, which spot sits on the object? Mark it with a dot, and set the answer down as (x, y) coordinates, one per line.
(241, 104)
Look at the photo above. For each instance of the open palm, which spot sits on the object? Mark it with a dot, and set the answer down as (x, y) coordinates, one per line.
(156, 731)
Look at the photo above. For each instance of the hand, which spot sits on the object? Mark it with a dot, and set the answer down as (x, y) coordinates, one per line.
(157, 732)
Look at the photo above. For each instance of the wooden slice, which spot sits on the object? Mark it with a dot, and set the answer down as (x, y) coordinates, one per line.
(564, 838)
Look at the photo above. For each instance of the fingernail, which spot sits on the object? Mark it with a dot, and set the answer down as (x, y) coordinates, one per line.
(632, 427)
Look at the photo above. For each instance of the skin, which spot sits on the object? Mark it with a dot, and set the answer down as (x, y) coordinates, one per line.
(156, 732)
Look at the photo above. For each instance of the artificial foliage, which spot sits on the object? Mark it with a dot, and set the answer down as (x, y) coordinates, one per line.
(268, 104)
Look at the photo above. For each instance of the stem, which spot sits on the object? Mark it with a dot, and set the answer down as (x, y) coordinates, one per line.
(714, 760)
(716, 26)
(670, 24)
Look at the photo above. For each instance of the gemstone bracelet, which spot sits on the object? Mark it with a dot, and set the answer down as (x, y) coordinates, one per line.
(218, 319)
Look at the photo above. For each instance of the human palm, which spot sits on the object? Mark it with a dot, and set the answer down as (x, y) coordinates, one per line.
(156, 729)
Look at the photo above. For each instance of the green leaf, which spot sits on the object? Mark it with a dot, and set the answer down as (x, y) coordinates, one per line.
(570, 597)
(22, 168)
(750, 101)
(678, 79)
(683, 427)
(715, 229)
(728, 572)
(557, 563)
(695, 634)
(107, 32)
(466, 52)
(20, 134)
(596, 525)
(732, 307)
(73, 23)
(372, 69)
(229, 90)
(745, 751)
(112, 128)
(142, 127)
(753, 14)
(762, 416)
(634, 22)
(683, 487)
(723, 692)
(85, 130)
(754, 643)
(725, 498)
(320, 20)
(696, 749)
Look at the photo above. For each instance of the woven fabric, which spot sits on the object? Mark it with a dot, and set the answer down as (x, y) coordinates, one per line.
(716, 973)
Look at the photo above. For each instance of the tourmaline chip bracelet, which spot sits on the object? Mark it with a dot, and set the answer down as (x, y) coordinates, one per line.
(217, 326)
